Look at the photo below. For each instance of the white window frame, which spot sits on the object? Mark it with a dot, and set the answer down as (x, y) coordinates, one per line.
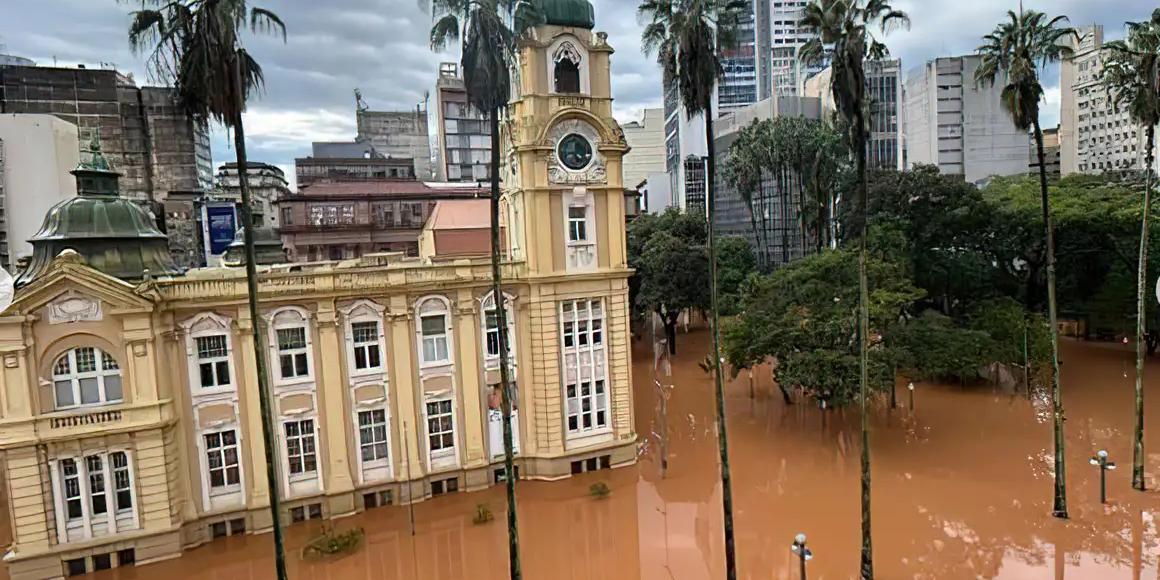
(381, 469)
(386, 441)
(580, 255)
(428, 307)
(443, 451)
(583, 65)
(487, 306)
(88, 522)
(589, 348)
(227, 487)
(578, 227)
(302, 437)
(100, 359)
(283, 319)
(365, 311)
(215, 362)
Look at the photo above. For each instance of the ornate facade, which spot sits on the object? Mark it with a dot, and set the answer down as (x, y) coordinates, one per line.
(129, 420)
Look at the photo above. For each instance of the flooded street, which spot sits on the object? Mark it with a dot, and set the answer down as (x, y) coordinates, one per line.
(961, 490)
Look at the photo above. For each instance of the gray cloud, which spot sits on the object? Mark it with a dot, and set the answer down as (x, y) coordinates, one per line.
(380, 47)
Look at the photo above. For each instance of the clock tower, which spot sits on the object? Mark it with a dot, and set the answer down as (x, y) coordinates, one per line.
(564, 199)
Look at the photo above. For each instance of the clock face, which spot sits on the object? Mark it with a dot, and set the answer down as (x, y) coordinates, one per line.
(574, 151)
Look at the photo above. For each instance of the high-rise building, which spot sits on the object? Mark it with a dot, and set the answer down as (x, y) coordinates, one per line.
(738, 87)
(646, 137)
(959, 125)
(1094, 136)
(775, 212)
(397, 134)
(36, 154)
(464, 131)
(162, 153)
(787, 36)
(884, 91)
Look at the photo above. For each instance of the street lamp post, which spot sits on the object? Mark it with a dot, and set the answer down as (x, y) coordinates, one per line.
(910, 390)
(1101, 461)
(803, 552)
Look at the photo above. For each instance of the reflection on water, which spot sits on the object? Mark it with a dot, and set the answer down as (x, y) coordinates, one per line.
(962, 489)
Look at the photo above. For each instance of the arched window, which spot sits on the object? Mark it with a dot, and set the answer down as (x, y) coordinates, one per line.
(86, 376)
(434, 330)
(567, 72)
(491, 327)
(292, 344)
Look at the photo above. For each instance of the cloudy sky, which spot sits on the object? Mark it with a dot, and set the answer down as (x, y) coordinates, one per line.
(380, 46)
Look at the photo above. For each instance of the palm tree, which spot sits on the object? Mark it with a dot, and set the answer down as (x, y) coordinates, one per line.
(196, 44)
(687, 37)
(845, 40)
(489, 53)
(1015, 50)
(1132, 76)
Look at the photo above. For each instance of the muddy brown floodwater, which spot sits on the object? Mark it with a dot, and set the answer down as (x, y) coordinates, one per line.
(962, 489)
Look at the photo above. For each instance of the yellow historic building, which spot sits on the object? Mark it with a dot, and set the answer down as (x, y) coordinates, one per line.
(129, 421)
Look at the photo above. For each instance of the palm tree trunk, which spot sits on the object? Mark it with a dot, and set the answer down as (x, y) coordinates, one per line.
(504, 373)
(1059, 508)
(268, 436)
(867, 561)
(1141, 274)
(722, 441)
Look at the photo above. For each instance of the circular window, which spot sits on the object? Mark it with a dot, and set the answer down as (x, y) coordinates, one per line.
(575, 152)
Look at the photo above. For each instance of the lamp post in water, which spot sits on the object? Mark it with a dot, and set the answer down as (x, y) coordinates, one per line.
(910, 390)
(803, 552)
(1101, 461)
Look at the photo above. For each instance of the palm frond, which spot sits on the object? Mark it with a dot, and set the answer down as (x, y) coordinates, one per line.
(262, 20)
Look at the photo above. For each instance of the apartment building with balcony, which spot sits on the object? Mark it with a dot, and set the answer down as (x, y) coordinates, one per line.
(342, 221)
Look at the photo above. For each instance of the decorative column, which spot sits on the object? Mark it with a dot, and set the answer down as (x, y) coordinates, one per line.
(468, 367)
(408, 419)
(251, 417)
(331, 386)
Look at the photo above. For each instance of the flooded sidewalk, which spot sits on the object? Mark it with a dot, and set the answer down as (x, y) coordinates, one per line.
(962, 489)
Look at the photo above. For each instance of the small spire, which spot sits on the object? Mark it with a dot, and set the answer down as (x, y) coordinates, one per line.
(97, 160)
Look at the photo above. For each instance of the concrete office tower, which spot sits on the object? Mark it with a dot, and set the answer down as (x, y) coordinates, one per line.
(1094, 137)
(397, 134)
(37, 152)
(464, 131)
(783, 237)
(335, 162)
(646, 137)
(162, 153)
(787, 36)
(884, 89)
(959, 126)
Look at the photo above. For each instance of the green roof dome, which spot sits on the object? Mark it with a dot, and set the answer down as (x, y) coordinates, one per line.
(97, 217)
(111, 233)
(578, 13)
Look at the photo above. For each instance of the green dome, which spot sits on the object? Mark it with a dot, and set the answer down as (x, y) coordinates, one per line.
(578, 13)
(110, 233)
(97, 217)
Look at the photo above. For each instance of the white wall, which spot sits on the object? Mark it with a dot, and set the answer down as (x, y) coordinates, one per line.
(657, 191)
(39, 153)
(992, 145)
(647, 140)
